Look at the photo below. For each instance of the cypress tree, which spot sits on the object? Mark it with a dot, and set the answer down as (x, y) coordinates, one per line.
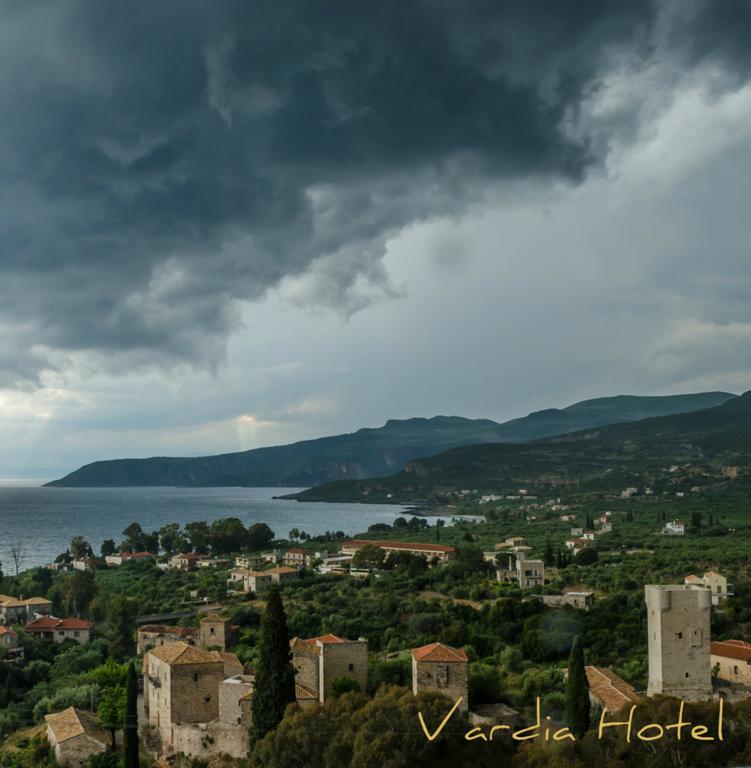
(275, 676)
(130, 735)
(577, 691)
(549, 556)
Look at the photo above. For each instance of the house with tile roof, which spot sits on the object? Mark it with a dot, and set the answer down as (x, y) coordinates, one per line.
(128, 557)
(441, 668)
(55, 630)
(196, 701)
(244, 580)
(731, 661)
(717, 583)
(75, 735)
(11, 651)
(16, 609)
(155, 635)
(318, 661)
(440, 552)
(608, 691)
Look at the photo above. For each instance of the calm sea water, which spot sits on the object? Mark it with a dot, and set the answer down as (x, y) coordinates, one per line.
(44, 520)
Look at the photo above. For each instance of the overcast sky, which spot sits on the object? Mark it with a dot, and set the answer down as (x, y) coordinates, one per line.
(234, 224)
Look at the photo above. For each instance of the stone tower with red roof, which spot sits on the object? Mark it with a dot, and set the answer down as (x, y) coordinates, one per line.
(441, 668)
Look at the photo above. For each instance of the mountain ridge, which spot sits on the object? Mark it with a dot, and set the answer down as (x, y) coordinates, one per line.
(690, 448)
(371, 451)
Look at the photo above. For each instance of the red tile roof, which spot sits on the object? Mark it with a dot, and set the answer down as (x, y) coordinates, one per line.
(49, 623)
(439, 652)
(611, 690)
(359, 543)
(731, 649)
(7, 631)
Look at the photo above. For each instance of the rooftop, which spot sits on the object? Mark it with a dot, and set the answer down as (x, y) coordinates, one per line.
(413, 545)
(731, 649)
(611, 690)
(439, 652)
(182, 653)
(74, 722)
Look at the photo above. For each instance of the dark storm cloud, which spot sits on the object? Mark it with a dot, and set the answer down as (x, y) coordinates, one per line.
(159, 161)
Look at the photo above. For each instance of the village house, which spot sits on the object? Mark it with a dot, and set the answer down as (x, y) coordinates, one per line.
(606, 527)
(581, 600)
(296, 557)
(512, 542)
(75, 735)
(568, 518)
(185, 562)
(588, 535)
(249, 562)
(187, 705)
(717, 584)
(213, 562)
(439, 552)
(674, 528)
(128, 557)
(318, 661)
(608, 691)
(9, 645)
(243, 580)
(731, 662)
(438, 667)
(521, 571)
(83, 564)
(155, 635)
(56, 630)
(214, 632)
(337, 564)
(16, 610)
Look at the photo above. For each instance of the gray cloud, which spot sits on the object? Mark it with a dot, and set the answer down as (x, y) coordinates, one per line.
(161, 162)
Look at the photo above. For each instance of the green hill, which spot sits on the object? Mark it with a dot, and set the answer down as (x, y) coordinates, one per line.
(373, 452)
(669, 452)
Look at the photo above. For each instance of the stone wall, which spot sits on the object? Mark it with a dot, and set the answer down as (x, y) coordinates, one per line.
(307, 670)
(678, 641)
(73, 752)
(194, 691)
(448, 678)
(343, 660)
(206, 740)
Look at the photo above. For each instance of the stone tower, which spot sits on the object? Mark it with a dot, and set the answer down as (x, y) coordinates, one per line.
(678, 641)
(214, 632)
(438, 667)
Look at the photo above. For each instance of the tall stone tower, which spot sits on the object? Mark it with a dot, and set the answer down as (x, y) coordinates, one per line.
(678, 641)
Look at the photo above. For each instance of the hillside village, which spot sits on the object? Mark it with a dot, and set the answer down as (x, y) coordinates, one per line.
(197, 675)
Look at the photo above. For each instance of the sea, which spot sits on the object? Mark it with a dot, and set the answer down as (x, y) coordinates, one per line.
(43, 520)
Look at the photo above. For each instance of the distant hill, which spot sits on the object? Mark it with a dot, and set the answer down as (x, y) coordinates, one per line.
(673, 453)
(372, 452)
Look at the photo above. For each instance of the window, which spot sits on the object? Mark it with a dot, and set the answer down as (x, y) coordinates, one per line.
(76, 633)
(442, 676)
(211, 630)
(735, 669)
(195, 677)
(351, 667)
(679, 635)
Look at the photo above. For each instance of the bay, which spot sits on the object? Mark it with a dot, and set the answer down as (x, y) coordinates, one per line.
(43, 520)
